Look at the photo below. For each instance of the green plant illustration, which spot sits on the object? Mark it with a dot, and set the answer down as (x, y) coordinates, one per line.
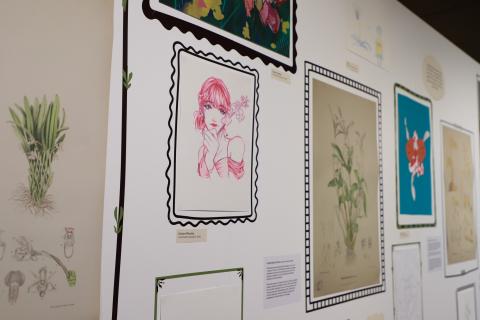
(118, 215)
(348, 180)
(40, 127)
(127, 79)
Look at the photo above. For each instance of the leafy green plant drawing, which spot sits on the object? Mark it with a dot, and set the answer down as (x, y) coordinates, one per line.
(40, 127)
(348, 180)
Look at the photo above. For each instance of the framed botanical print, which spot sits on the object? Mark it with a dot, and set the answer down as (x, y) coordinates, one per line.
(264, 29)
(343, 189)
(414, 160)
(459, 200)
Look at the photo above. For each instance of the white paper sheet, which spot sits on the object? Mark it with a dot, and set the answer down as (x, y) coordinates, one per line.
(407, 282)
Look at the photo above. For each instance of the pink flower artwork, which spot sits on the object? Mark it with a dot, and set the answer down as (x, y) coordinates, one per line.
(416, 152)
(248, 6)
(269, 16)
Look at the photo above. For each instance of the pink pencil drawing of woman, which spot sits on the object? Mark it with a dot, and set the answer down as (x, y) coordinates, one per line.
(219, 153)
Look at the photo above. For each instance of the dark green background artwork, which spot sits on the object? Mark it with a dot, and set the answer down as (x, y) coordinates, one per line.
(264, 22)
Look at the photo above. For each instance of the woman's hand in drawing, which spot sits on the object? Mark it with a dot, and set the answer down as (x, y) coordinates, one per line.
(210, 141)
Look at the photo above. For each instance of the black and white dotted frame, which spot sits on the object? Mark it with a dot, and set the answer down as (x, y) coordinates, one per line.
(312, 304)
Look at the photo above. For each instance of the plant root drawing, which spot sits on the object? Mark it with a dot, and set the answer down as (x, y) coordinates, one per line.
(14, 280)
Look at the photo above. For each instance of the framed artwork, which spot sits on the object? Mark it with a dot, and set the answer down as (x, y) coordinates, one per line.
(459, 200)
(414, 160)
(212, 172)
(407, 281)
(343, 189)
(467, 303)
(210, 295)
(263, 29)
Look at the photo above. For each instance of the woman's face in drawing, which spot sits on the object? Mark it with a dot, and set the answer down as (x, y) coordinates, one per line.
(213, 117)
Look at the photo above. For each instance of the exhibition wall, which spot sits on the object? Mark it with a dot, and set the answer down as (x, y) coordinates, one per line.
(349, 75)
(52, 187)
(258, 159)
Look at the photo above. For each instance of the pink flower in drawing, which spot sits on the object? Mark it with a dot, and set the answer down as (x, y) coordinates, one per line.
(238, 109)
(248, 6)
(416, 153)
(219, 152)
(269, 16)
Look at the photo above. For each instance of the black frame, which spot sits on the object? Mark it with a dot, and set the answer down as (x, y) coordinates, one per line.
(311, 305)
(228, 44)
(173, 217)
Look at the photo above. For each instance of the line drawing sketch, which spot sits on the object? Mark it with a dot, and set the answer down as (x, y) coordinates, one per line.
(26, 252)
(407, 282)
(14, 280)
(3, 246)
(416, 153)
(69, 242)
(213, 142)
(42, 284)
(219, 152)
(40, 128)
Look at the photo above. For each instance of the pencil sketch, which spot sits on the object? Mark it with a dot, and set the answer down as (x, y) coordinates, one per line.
(42, 284)
(69, 242)
(3, 246)
(26, 252)
(14, 280)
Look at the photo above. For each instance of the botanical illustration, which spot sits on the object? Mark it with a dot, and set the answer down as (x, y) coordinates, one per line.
(40, 128)
(344, 191)
(416, 153)
(3, 246)
(42, 283)
(466, 303)
(415, 182)
(407, 282)
(25, 252)
(348, 180)
(219, 153)
(69, 242)
(459, 193)
(263, 22)
(14, 280)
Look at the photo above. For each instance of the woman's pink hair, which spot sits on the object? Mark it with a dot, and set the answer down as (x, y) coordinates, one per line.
(215, 93)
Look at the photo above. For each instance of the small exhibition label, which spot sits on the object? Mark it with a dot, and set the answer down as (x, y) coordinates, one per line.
(434, 252)
(281, 280)
(191, 235)
(281, 76)
(433, 77)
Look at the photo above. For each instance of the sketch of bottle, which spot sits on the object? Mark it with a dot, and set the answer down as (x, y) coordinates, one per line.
(3, 246)
(69, 242)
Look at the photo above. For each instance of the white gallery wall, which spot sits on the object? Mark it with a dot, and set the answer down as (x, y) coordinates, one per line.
(150, 247)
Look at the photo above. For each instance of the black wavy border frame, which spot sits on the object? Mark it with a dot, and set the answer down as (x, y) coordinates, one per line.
(354, 294)
(177, 48)
(228, 44)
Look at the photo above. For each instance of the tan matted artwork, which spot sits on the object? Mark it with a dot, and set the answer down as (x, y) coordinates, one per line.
(344, 191)
(459, 204)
